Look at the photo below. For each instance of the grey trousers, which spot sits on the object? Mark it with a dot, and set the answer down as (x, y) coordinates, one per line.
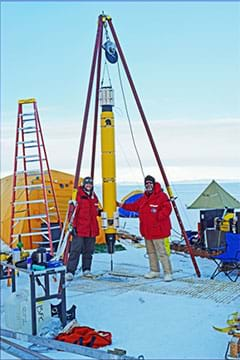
(84, 246)
(156, 251)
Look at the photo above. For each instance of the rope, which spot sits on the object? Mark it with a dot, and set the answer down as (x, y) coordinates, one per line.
(126, 158)
(124, 98)
(177, 234)
(129, 122)
(182, 206)
(103, 76)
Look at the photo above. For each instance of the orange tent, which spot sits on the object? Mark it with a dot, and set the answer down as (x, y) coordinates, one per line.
(63, 186)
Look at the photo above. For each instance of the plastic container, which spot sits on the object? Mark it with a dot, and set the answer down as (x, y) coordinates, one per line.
(16, 255)
(18, 315)
(234, 347)
(29, 263)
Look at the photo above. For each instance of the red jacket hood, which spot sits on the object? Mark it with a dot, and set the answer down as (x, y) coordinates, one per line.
(156, 190)
(83, 192)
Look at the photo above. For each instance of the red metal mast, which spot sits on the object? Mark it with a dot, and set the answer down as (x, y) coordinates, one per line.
(89, 93)
(96, 103)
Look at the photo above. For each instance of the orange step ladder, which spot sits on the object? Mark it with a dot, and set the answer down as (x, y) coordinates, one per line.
(34, 210)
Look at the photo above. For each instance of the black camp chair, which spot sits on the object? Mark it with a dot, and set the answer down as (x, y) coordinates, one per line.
(229, 261)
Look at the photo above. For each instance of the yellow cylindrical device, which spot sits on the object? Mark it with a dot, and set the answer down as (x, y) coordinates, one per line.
(108, 167)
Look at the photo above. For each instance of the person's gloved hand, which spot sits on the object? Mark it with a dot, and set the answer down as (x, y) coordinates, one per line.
(72, 202)
(72, 230)
(119, 204)
(100, 211)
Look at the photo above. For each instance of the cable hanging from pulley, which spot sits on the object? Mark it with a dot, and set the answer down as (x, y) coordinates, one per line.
(106, 71)
(105, 68)
(112, 57)
(129, 121)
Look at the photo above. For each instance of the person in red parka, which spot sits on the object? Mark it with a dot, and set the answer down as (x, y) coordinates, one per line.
(154, 209)
(86, 229)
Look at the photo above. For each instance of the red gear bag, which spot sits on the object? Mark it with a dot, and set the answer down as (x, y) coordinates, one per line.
(86, 336)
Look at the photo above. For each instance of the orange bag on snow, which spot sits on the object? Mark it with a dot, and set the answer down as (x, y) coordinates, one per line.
(86, 336)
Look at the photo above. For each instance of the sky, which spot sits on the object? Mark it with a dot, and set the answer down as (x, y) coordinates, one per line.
(184, 58)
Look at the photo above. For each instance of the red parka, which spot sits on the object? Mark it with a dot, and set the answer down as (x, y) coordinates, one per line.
(154, 213)
(85, 220)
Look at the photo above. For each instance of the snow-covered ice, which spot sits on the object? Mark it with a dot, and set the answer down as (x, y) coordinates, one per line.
(150, 317)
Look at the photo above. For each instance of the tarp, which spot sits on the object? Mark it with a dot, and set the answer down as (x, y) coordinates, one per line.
(63, 186)
(128, 199)
(215, 197)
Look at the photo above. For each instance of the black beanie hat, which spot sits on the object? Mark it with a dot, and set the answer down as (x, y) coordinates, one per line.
(87, 180)
(149, 178)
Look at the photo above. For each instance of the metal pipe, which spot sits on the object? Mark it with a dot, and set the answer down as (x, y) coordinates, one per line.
(20, 351)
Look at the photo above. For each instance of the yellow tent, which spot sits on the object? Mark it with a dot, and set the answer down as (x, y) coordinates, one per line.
(63, 186)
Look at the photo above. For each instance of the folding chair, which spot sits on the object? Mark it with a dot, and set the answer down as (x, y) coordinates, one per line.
(215, 240)
(229, 261)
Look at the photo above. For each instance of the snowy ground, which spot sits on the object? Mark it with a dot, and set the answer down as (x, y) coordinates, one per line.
(149, 317)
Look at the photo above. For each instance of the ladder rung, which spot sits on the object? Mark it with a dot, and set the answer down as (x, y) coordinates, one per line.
(52, 228)
(35, 160)
(38, 186)
(40, 201)
(38, 216)
(45, 242)
(29, 173)
(27, 142)
(27, 114)
(31, 234)
(24, 120)
(35, 186)
(30, 132)
(27, 128)
(32, 146)
(28, 156)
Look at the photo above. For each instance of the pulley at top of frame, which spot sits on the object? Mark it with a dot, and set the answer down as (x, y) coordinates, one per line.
(110, 51)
